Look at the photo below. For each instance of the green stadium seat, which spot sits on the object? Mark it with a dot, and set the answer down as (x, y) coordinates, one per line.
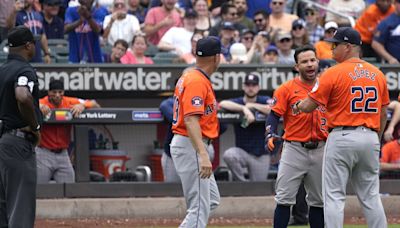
(151, 51)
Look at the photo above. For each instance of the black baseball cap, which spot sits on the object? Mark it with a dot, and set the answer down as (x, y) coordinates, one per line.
(251, 79)
(56, 84)
(228, 25)
(52, 2)
(190, 13)
(346, 35)
(19, 36)
(208, 46)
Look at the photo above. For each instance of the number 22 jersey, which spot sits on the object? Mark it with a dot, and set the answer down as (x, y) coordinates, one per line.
(353, 93)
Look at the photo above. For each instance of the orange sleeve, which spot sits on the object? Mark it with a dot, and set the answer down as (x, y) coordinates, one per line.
(386, 152)
(193, 98)
(73, 101)
(322, 89)
(280, 100)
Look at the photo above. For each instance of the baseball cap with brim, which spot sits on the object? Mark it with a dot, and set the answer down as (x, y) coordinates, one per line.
(298, 23)
(271, 48)
(330, 25)
(20, 35)
(251, 79)
(284, 35)
(346, 35)
(228, 25)
(190, 13)
(208, 46)
(52, 2)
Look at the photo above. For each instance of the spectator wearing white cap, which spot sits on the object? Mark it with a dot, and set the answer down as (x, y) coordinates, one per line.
(299, 33)
(284, 42)
(323, 48)
(238, 53)
(315, 31)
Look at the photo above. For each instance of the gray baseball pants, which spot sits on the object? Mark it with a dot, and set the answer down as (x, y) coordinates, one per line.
(201, 195)
(168, 166)
(53, 165)
(352, 154)
(238, 160)
(297, 164)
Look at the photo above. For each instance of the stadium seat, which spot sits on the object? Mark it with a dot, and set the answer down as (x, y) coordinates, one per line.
(151, 51)
(164, 58)
(57, 42)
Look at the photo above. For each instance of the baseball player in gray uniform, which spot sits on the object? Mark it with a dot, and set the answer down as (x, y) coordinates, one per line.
(194, 125)
(355, 95)
(303, 148)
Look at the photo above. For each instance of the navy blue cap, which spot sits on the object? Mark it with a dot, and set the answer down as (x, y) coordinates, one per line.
(346, 35)
(19, 36)
(208, 46)
(251, 79)
(228, 25)
(190, 13)
(298, 23)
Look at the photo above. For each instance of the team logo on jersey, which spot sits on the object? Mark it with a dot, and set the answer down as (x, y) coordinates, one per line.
(197, 101)
(272, 101)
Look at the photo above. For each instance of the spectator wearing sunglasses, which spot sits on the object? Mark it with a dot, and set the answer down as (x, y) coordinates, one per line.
(278, 18)
(323, 48)
(315, 31)
(369, 20)
(299, 33)
(284, 43)
(229, 13)
(52, 24)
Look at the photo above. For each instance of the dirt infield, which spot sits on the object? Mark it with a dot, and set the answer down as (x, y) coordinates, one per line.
(125, 223)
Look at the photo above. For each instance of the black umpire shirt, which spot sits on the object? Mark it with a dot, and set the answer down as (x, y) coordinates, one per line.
(16, 72)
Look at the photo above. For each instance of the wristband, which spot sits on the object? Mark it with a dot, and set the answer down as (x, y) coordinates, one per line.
(37, 128)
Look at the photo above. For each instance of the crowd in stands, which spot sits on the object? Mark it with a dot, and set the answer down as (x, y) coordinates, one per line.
(251, 31)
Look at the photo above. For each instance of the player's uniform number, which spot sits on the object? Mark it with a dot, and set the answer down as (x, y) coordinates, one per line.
(364, 99)
(176, 111)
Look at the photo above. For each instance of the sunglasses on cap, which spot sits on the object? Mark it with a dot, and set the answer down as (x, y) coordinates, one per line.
(298, 27)
(277, 3)
(248, 38)
(310, 13)
(284, 40)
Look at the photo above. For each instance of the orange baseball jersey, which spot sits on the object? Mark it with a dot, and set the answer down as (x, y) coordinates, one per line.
(391, 152)
(353, 93)
(303, 127)
(194, 95)
(58, 136)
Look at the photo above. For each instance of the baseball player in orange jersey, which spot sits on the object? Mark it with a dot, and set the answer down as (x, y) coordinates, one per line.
(194, 125)
(303, 148)
(355, 95)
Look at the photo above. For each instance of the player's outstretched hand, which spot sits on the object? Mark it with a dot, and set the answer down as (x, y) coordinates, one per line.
(205, 166)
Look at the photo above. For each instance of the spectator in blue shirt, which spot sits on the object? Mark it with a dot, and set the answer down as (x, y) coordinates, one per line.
(386, 41)
(137, 10)
(25, 14)
(53, 25)
(249, 152)
(83, 24)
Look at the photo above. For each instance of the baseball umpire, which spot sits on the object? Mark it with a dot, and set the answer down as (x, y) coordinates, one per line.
(194, 125)
(21, 119)
(303, 148)
(355, 95)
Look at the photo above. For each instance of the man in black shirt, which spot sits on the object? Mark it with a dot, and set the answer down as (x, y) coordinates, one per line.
(21, 119)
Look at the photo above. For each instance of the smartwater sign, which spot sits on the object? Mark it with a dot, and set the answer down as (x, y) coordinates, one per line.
(144, 79)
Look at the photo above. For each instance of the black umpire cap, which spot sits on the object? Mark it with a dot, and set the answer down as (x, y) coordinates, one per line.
(346, 35)
(208, 46)
(19, 36)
